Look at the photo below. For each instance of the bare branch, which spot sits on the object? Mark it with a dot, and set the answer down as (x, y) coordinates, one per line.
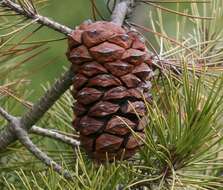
(6, 115)
(39, 109)
(41, 131)
(34, 16)
(121, 10)
(23, 137)
(54, 135)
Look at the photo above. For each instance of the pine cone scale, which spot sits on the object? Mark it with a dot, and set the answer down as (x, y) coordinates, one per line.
(111, 75)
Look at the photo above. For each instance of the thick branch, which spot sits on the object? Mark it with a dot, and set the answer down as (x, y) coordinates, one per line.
(34, 16)
(54, 135)
(121, 10)
(39, 109)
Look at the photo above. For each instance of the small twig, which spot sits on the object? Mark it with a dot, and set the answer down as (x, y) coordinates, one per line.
(34, 16)
(54, 135)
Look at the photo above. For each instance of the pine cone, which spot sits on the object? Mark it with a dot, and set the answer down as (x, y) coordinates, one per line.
(112, 70)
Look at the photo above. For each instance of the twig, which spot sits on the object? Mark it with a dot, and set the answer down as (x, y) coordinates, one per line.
(25, 140)
(41, 131)
(34, 16)
(52, 134)
(6, 115)
(121, 10)
(39, 109)
(22, 135)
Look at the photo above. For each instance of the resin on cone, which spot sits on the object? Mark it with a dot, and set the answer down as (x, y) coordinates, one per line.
(111, 83)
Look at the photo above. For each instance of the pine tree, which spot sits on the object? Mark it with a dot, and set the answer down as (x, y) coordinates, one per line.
(174, 122)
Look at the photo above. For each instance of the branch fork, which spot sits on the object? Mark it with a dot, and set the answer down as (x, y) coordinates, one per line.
(16, 128)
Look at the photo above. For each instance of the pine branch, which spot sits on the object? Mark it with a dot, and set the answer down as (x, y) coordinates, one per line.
(19, 128)
(22, 135)
(121, 10)
(43, 132)
(6, 115)
(39, 109)
(33, 15)
(51, 96)
(54, 135)
(25, 140)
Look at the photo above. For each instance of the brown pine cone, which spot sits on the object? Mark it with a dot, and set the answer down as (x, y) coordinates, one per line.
(112, 70)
